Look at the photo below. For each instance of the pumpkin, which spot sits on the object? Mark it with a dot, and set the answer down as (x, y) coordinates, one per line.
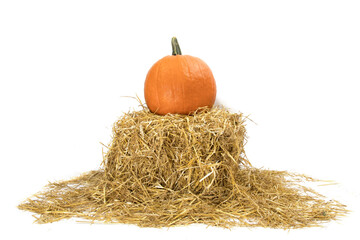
(179, 84)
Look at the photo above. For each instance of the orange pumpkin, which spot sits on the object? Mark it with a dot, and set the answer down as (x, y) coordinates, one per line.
(179, 84)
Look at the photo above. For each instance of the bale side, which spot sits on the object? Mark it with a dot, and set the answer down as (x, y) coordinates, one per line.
(183, 153)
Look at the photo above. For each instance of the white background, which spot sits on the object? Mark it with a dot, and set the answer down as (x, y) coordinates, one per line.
(293, 66)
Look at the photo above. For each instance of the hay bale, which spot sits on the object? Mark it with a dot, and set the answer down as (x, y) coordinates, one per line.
(162, 171)
(177, 152)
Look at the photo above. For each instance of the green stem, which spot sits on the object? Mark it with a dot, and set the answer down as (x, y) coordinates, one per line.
(175, 47)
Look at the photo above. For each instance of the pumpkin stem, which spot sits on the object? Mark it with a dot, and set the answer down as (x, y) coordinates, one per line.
(175, 47)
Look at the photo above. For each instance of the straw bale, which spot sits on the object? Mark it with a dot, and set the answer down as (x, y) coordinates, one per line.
(162, 171)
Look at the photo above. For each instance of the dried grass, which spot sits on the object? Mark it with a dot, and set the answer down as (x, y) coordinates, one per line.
(162, 171)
